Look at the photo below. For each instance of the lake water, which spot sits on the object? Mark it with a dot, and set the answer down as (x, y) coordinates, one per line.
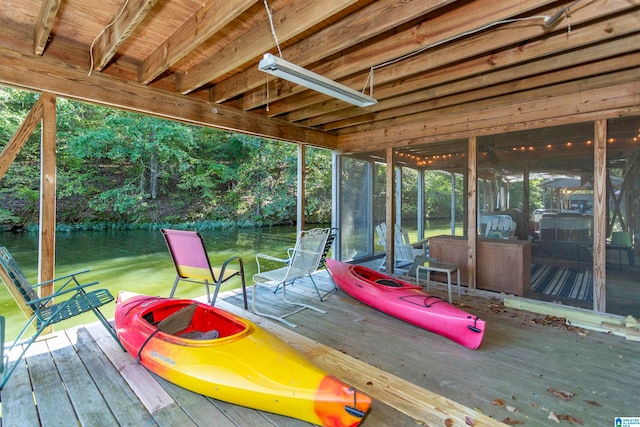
(136, 261)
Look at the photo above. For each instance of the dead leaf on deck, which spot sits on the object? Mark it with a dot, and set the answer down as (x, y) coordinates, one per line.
(449, 422)
(470, 421)
(562, 394)
(553, 417)
(511, 408)
(572, 420)
(498, 402)
(508, 421)
(593, 403)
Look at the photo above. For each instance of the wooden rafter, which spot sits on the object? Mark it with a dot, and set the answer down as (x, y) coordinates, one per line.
(48, 13)
(289, 21)
(128, 17)
(208, 20)
(329, 41)
(466, 64)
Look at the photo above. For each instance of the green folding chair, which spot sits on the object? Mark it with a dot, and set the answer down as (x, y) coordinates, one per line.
(44, 312)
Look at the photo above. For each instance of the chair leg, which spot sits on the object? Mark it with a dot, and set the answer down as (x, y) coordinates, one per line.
(2, 346)
(244, 288)
(10, 367)
(175, 284)
(259, 313)
(299, 304)
(108, 326)
(318, 291)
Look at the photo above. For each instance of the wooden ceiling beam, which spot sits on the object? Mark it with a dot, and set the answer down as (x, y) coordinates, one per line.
(285, 96)
(48, 12)
(289, 21)
(564, 88)
(487, 118)
(353, 29)
(527, 33)
(124, 22)
(208, 20)
(38, 74)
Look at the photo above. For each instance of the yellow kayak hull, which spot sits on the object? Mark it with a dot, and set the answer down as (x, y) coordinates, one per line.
(244, 364)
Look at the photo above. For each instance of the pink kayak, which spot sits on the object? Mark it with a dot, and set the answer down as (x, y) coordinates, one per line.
(408, 302)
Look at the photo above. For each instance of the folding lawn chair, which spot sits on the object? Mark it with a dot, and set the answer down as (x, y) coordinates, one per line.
(44, 311)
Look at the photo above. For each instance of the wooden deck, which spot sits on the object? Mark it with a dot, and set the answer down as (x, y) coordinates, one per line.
(415, 377)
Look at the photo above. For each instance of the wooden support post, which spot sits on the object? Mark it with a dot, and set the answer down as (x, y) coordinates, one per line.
(46, 262)
(472, 208)
(390, 213)
(302, 176)
(599, 215)
(525, 200)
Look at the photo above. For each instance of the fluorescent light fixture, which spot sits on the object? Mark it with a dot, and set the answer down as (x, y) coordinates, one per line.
(293, 73)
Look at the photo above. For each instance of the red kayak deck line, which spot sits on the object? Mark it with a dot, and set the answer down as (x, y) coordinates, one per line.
(408, 302)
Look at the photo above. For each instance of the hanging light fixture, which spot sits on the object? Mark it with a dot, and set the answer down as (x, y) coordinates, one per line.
(286, 70)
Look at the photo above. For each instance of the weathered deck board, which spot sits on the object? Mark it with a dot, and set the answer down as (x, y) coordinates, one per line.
(396, 363)
(17, 400)
(83, 393)
(517, 362)
(122, 401)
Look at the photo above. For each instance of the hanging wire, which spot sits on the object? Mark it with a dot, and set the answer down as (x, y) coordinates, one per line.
(547, 20)
(273, 30)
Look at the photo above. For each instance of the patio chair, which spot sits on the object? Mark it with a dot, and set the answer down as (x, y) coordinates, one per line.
(192, 264)
(404, 252)
(322, 264)
(44, 312)
(303, 260)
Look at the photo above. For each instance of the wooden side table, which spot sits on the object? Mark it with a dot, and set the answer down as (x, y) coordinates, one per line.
(439, 267)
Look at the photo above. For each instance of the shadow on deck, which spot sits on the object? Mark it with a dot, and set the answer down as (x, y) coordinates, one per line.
(414, 376)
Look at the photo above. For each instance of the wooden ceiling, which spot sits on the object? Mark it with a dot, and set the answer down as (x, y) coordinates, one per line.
(442, 69)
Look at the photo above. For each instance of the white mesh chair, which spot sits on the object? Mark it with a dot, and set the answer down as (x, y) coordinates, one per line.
(303, 260)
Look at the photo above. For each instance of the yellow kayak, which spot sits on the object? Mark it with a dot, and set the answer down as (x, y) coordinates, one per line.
(215, 353)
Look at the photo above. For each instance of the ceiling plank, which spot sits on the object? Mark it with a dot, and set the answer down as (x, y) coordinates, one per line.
(467, 47)
(562, 82)
(208, 20)
(289, 21)
(454, 23)
(122, 25)
(48, 12)
(40, 75)
(351, 30)
(471, 75)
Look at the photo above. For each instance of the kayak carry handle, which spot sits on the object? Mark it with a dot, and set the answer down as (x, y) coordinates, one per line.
(353, 410)
(474, 328)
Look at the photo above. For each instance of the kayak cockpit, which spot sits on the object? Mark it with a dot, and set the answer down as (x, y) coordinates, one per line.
(192, 320)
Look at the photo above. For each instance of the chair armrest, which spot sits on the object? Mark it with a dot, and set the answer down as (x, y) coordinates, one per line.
(66, 276)
(77, 288)
(270, 258)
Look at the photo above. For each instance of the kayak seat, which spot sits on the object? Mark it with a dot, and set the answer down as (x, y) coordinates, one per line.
(192, 264)
(303, 261)
(43, 312)
(178, 321)
(201, 335)
(388, 282)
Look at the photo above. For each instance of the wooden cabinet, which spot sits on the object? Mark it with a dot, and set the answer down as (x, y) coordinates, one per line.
(503, 265)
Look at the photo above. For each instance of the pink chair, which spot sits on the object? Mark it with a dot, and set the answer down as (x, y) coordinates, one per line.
(192, 263)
